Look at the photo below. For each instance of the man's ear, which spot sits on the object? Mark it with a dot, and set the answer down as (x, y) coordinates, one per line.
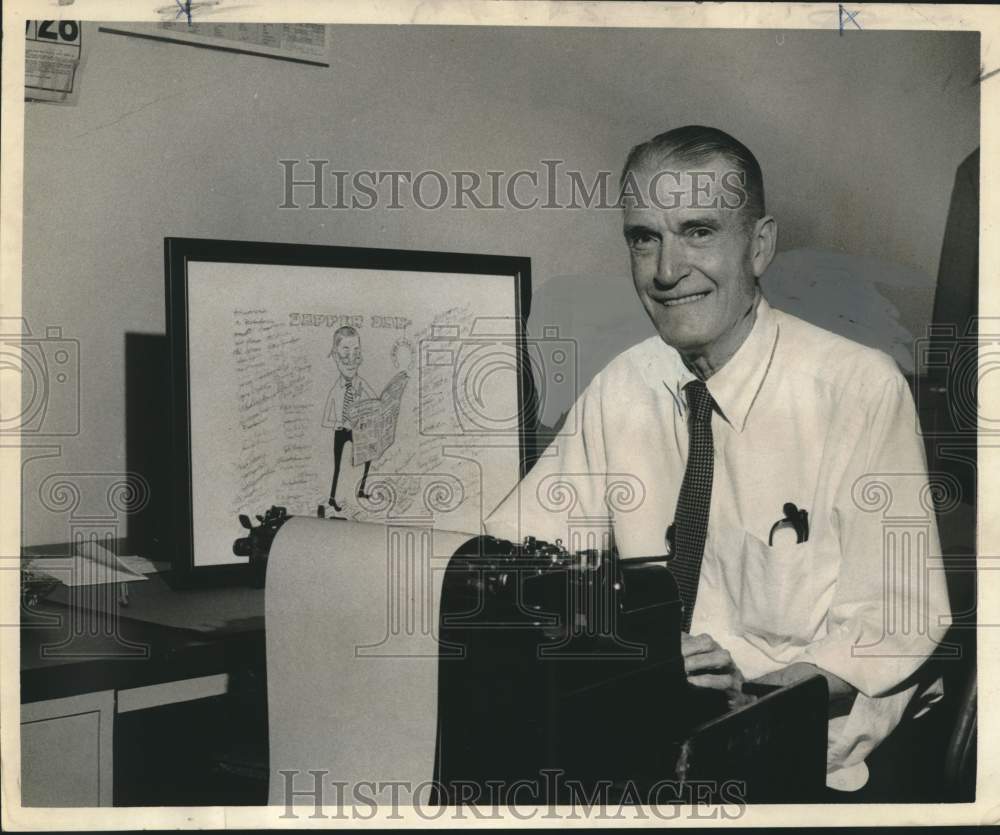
(763, 242)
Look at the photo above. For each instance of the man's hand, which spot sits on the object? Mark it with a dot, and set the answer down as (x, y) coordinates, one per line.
(709, 665)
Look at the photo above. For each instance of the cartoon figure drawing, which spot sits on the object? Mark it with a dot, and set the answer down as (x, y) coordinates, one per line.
(338, 414)
(356, 414)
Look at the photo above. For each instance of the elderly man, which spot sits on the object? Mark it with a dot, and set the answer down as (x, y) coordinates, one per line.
(739, 438)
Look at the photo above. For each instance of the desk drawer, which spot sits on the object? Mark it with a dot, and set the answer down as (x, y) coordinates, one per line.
(66, 751)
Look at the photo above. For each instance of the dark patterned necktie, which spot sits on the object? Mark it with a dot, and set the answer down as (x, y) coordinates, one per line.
(348, 400)
(691, 519)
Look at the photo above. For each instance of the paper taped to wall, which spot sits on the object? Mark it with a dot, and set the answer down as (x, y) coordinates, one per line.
(52, 57)
(304, 43)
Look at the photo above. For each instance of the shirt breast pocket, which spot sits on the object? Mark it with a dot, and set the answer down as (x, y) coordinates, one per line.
(785, 590)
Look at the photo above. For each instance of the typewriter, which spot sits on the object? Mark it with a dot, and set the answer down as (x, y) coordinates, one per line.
(563, 671)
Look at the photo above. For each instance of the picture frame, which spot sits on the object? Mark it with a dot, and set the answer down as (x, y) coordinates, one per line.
(257, 418)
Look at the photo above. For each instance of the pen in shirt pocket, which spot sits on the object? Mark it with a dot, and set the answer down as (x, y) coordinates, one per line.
(795, 520)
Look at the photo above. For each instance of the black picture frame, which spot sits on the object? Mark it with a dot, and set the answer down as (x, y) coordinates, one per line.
(180, 253)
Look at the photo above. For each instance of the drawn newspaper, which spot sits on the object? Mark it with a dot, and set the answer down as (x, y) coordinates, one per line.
(374, 420)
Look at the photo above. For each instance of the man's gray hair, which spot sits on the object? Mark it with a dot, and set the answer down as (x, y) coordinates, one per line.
(697, 144)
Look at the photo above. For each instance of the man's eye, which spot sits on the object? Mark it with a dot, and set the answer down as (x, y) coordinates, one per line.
(700, 233)
(641, 242)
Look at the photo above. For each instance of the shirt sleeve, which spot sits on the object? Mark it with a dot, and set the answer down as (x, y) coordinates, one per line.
(890, 608)
(563, 497)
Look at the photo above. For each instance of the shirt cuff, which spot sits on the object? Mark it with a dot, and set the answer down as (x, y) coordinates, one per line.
(848, 779)
(872, 667)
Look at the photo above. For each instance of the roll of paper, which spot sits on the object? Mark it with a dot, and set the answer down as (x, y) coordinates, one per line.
(352, 613)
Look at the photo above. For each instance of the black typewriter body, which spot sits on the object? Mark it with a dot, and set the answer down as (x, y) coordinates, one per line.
(563, 673)
(555, 663)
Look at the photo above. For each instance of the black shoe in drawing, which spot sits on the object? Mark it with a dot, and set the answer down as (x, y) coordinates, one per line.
(333, 503)
(362, 494)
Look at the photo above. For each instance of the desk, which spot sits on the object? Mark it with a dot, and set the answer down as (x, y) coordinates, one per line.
(149, 704)
(186, 724)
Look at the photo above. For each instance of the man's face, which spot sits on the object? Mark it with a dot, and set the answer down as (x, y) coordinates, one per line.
(693, 257)
(348, 356)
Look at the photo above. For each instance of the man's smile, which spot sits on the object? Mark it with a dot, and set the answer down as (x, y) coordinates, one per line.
(673, 301)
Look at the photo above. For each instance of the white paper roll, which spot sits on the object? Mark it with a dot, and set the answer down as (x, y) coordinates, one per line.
(352, 614)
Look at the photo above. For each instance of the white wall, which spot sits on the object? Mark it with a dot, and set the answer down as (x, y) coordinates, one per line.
(858, 135)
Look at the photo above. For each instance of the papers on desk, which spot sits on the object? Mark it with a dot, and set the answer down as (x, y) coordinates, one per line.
(92, 564)
(141, 565)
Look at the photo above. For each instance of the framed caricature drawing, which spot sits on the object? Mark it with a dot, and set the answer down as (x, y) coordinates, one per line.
(365, 384)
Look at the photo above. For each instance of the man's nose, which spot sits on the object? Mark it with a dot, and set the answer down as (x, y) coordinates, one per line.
(672, 265)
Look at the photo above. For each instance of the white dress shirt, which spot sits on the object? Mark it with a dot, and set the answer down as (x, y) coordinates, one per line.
(804, 416)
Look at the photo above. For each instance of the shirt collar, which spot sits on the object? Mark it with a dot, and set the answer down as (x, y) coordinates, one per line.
(734, 387)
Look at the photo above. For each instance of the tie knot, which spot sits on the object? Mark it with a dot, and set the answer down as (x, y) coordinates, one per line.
(699, 400)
